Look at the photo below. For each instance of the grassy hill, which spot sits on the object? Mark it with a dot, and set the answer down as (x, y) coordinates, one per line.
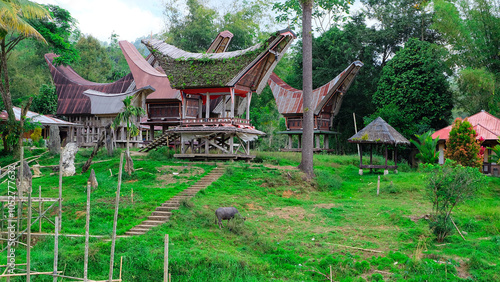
(294, 230)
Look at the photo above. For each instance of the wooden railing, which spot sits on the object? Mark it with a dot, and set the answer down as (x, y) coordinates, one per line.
(215, 121)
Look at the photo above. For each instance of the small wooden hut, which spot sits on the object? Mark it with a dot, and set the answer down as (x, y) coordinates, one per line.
(375, 133)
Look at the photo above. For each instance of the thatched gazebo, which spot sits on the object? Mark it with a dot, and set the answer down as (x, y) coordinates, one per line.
(378, 132)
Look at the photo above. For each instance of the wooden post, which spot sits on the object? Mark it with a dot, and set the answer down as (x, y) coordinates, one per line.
(56, 247)
(113, 236)
(132, 195)
(356, 130)
(232, 102)
(378, 185)
(231, 144)
(165, 260)
(249, 100)
(290, 141)
(224, 112)
(19, 194)
(207, 108)
(87, 224)
(60, 191)
(121, 264)
(40, 208)
(371, 157)
(28, 241)
(331, 274)
(200, 108)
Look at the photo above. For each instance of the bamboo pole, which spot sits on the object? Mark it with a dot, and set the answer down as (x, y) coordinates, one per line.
(28, 241)
(165, 261)
(331, 274)
(56, 247)
(60, 191)
(121, 264)
(457, 228)
(113, 236)
(40, 208)
(20, 204)
(86, 257)
(356, 131)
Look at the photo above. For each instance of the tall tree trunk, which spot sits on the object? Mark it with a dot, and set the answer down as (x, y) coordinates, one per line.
(5, 90)
(129, 164)
(306, 165)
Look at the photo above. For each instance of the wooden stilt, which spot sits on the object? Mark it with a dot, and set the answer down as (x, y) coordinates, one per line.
(87, 227)
(60, 191)
(115, 220)
(40, 208)
(165, 260)
(28, 241)
(56, 247)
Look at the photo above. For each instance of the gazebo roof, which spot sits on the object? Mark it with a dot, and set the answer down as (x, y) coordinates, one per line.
(249, 68)
(379, 132)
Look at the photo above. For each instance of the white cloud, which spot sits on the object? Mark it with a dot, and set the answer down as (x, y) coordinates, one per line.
(129, 19)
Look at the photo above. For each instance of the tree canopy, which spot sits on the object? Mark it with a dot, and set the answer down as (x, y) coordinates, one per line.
(412, 93)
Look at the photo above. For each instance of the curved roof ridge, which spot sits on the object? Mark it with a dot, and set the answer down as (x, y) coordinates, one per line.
(130, 52)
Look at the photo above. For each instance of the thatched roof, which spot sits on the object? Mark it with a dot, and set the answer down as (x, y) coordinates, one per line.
(249, 68)
(380, 132)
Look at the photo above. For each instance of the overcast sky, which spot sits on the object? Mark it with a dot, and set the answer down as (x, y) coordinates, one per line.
(129, 19)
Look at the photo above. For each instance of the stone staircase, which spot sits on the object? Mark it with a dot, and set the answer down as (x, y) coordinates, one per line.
(162, 213)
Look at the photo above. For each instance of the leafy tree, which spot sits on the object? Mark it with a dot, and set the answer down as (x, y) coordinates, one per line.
(193, 32)
(426, 147)
(119, 66)
(462, 146)
(45, 102)
(14, 28)
(95, 64)
(397, 21)
(128, 115)
(412, 93)
(333, 51)
(448, 186)
(305, 7)
(471, 28)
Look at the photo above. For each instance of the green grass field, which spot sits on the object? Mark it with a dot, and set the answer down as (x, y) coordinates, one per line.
(294, 230)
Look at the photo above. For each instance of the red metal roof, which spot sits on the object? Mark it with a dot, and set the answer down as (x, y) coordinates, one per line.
(289, 100)
(146, 75)
(45, 120)
(486, 126)
(70, 87)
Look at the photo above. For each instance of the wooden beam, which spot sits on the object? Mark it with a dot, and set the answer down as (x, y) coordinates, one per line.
(249, 100)
(207, 114)
(232, 102)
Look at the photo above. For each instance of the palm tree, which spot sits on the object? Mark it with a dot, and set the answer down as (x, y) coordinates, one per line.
(14, 27)
(129, 112)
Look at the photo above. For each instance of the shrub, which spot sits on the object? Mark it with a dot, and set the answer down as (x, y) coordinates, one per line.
(462, 146)
(426, 147)
(448, 186)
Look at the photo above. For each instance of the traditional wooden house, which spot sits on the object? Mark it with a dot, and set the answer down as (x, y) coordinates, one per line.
(326, 103)
(215, 91)
(378, 132)
(487, 128)
(93, 105)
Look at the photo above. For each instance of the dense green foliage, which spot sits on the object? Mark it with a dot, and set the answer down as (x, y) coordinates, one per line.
(448, 186)
(462, 145)
(412, 93)
(45, 102)
(426, 146)
(471, 28)
(291, 227)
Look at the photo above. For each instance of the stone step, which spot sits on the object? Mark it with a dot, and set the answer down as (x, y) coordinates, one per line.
(144, 226)
(133, 233)
(137, 229)
(152, 222)
(160, 218)
(172, 205)
(166, 209)
(161, 213)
